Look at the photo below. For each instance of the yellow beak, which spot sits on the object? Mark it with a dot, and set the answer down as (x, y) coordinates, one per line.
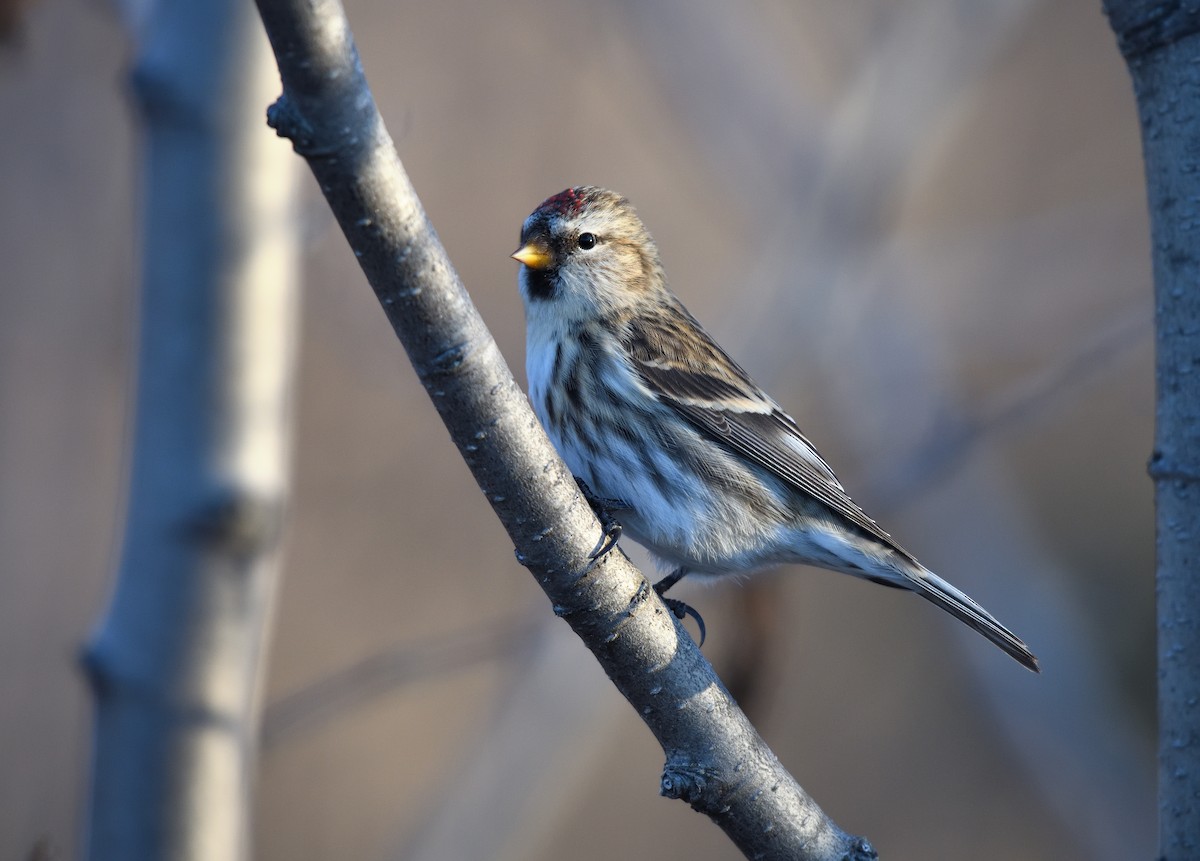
(534, 254)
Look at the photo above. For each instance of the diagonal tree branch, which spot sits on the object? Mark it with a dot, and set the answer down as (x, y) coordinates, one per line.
(716, 761)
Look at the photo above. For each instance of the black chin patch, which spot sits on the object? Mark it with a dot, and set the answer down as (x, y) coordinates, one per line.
(540, 283)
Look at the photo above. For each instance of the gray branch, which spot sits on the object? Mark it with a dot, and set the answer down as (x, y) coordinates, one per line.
(1161, 44)
(176, 664)
(715, 760)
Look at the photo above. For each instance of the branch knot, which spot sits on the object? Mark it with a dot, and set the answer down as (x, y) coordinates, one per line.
(1162, 468)
(234, 521)
(861, 850)
(289, 123)
(686, 781)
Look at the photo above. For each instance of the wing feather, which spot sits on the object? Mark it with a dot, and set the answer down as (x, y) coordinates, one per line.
(721, 401)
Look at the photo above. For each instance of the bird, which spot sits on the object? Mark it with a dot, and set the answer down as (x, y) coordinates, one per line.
(669, 436)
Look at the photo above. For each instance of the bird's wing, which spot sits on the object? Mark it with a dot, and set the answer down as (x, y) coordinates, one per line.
(685, 369)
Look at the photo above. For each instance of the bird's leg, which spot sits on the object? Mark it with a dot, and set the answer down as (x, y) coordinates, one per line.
(611, 529)
(670, 580)
(678, 608)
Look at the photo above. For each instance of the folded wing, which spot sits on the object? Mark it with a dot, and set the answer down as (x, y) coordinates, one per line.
(704, 385)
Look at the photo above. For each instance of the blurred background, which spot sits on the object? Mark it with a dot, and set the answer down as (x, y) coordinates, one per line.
(920, 224)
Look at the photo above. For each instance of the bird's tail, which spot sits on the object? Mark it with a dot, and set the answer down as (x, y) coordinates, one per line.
(936, 590)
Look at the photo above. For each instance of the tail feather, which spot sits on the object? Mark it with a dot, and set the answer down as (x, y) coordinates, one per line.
(937, 591)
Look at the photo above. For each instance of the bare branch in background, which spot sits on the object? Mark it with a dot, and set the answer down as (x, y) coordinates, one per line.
(1161, 44)
(177, 664)
(383, 672)
(1031, 397)
(501, 801)
(715, 759)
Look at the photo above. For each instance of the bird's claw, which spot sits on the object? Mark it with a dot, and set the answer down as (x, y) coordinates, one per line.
(608, 540)
(611, 529)
(681, 611)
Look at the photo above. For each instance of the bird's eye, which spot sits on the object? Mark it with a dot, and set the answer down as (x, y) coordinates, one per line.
(586, 241)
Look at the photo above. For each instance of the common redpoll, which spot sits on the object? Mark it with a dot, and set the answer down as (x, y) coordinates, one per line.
(691, 457)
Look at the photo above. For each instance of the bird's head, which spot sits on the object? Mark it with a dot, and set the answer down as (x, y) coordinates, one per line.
(586, 249)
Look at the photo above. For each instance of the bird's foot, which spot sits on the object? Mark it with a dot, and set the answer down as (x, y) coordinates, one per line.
(679, 609)
(608, 540)
(610, 528)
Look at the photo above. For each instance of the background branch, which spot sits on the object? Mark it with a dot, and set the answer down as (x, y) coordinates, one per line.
(715, 759)
(176, 666)
(1161, 44)
(380, 673)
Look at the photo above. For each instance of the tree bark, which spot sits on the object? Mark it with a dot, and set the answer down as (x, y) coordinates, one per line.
(1161, 44)
(176, 664)
(715, 759)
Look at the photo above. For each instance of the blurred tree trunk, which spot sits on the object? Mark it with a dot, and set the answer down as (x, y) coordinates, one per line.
(1161, 44)
(176, 664)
